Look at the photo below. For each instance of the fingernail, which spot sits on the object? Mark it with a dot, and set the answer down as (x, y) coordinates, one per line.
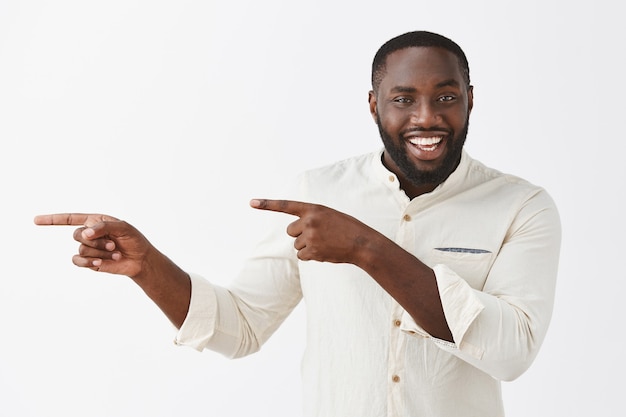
(97, 262)
(116, 256)
(109, 246)
(88, 232)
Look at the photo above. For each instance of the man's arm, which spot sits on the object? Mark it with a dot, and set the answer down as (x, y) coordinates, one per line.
(326, 235)
(114, 246)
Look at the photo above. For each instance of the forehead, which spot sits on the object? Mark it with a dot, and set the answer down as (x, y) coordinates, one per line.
(421, 65)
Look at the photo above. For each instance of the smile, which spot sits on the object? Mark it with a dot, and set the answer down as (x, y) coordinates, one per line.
(426, 144)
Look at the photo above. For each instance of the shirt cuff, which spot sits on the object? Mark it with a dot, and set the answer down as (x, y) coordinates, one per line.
(199, 325)
(461, 307)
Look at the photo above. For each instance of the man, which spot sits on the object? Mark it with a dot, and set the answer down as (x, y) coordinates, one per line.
(427, 277)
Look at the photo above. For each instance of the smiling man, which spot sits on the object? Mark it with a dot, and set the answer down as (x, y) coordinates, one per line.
(428, 277)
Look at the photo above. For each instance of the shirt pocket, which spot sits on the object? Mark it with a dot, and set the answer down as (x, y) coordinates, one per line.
(471, 264)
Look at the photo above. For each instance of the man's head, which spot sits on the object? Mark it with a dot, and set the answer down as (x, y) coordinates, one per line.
(421, 99)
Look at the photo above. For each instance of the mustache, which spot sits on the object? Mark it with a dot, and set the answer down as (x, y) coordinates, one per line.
(436, 129)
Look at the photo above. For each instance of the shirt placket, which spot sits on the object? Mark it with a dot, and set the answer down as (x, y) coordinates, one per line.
(396, 361)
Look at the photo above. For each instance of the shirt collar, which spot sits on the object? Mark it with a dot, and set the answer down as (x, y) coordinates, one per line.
(391, 180)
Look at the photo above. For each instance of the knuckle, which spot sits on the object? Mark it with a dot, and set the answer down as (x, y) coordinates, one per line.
(315, 253)
(310, 222)
(283, 205)
(78, 233)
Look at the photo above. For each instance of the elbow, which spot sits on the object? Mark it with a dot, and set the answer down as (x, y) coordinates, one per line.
(243, 344)
(230, 346)
(516, 362)
(511, 371)
(507, 368)
(524, 344)
(245, 349)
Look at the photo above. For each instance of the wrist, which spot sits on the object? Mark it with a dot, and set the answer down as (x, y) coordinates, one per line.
(368, 250)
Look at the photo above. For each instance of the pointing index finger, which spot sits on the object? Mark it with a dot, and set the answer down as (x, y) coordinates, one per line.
(71, 219)
(296, 208)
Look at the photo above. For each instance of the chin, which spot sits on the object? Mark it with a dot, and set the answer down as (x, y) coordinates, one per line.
(421, 172)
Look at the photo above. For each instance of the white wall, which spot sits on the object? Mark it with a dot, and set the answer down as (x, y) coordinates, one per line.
(172, 115)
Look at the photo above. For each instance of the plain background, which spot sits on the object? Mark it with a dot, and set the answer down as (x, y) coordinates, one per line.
(172, 115)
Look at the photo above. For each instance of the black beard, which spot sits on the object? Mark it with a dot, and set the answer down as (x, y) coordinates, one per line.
(413, 174)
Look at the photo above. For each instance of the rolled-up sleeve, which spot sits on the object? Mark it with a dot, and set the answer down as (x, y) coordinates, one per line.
(500, 328)
(199, 325)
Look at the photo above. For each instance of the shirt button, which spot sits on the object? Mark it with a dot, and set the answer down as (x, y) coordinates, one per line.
(397, 323)
(395, 378)
(407, 218)
(392, 178)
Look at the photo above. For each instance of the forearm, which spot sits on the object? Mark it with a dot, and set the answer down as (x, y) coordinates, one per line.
(501, 323)
(408, 280)
(166, 284)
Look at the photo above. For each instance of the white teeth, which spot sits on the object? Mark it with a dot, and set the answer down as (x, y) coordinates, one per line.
(425, 141)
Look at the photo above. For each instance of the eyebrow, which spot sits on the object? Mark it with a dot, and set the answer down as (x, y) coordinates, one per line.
(445, 83)
(401, 89)
(448, 83)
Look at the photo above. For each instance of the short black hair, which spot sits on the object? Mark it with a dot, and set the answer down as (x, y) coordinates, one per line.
(418, 38)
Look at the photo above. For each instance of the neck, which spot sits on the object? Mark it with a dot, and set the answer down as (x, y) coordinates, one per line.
(411, 189)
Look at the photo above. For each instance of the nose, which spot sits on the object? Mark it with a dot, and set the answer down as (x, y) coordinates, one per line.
(425, 114)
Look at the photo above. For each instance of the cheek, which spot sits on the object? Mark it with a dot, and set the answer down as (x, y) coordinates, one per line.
(462, 119)
(391, 120)
(455, 118)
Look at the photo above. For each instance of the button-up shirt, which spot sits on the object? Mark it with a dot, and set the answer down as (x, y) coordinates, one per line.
(493, 242)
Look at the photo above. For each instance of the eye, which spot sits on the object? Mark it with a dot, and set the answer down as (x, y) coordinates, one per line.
(402, 100)
(446, 98)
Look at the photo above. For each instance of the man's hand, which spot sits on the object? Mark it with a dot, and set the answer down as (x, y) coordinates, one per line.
(106, 243)
(321, 233)
(111, 245)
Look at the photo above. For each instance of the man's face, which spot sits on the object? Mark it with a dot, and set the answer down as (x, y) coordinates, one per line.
(422, 109)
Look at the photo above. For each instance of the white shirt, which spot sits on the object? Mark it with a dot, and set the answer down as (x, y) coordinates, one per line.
(493, 241)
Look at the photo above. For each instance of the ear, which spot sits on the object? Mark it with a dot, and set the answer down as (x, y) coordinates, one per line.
(470, 99)
(373, 105)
